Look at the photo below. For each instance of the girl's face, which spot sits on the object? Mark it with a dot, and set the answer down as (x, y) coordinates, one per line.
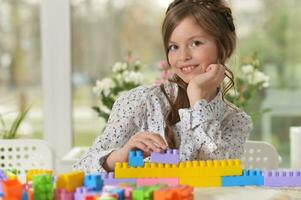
(191, 49)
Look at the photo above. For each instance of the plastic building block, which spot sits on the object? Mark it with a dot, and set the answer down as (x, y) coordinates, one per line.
(12, 189)
(42, 187)
(114, 190)
(248, 177)
(135, 158)
(32, 172)
(145, 192)
(2, 175)
(171, 156)
(63, 195)
(276, 178)
(205, 181)
(70, 181)
(107, 196)
(127, 191)
(27, 194)
(183, 169)
(80, 193)
(183, 192)
(93, 182)
(154, 181)
(108, 179)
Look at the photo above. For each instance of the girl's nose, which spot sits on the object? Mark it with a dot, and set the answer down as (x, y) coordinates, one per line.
(184, 54)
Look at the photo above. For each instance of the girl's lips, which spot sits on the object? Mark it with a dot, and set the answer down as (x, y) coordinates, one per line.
(188, 69)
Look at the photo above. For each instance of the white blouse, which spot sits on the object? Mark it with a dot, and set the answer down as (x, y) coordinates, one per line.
(211, 130)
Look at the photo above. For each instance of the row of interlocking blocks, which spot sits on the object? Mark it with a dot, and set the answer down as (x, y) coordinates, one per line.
(183, 169)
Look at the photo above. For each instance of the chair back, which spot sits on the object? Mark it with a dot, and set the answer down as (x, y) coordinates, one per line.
(260, 155)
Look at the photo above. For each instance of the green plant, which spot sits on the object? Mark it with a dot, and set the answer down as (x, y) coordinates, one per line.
(125, 76)
(11, 132)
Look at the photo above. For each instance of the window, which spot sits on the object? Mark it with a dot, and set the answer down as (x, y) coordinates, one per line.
(20, 65)
(104, 32)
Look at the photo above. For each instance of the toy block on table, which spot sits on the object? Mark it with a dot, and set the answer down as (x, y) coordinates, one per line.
(154, 181)
(61, 194)
(33, 172)
(171, 156)
(248, 177)
(115, 190)
(135, 158)
(12, 189)
(145, 192)
(275, 178)
(183, 169)
(183, 192)
(205, 181)
(93, 182)
(42, 187)
(108, 179)
(2, 175)
(70, 181)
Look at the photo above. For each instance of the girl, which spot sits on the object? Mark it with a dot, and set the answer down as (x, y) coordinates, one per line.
(188, 112)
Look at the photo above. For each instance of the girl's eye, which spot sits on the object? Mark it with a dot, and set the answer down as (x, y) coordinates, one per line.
(196, 43)
(172, 47)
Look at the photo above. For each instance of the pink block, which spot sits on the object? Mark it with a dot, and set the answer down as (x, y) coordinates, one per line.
(154, 181)
(63, 195)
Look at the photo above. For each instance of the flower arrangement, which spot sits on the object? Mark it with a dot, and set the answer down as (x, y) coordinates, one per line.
(250, 84)
(125, 76)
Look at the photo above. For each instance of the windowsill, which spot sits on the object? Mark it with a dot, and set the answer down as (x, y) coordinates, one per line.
(74, 154)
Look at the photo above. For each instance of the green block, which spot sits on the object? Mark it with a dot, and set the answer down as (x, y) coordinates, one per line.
(145, 192)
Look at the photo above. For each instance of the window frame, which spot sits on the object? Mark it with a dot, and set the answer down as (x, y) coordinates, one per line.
(56, 79)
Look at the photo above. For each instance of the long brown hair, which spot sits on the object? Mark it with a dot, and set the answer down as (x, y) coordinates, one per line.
(215, 17)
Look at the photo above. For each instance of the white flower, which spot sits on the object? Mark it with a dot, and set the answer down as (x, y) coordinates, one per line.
(261, 77)
(104, 86)
(119, 67)
(247, 69)
(130, 76)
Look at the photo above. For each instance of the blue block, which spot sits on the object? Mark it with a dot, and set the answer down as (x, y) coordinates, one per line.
(135, 159)
(93, 182)
(24, 195)
(248, 177)
(118, 191)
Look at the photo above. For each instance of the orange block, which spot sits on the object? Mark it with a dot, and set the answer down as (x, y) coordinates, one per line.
(181, 192)
(12, 189)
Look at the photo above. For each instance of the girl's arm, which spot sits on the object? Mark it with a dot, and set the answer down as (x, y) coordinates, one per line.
(125, 120)
(212, 130)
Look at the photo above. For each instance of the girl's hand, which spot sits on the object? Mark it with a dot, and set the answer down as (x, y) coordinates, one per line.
(204, 86)
(145, 141)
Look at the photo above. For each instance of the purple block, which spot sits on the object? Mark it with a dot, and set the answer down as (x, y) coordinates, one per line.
(2, 175)
(108, 179)
(171, 156)
(276, 178)
(79, 193)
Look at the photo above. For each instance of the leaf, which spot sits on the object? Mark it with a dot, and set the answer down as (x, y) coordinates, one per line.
(12, 133)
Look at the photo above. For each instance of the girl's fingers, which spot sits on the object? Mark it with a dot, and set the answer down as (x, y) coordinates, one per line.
(141, 146)
(158, 140)
(151, 145)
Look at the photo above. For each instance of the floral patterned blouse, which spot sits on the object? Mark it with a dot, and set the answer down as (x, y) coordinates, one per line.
(211, 130)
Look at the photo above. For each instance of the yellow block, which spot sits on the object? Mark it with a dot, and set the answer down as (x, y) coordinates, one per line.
(30, 173)
(183, 169)
(214, 181)
(70, 181)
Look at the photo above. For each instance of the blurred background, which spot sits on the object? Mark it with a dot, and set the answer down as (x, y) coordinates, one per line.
(106, 31)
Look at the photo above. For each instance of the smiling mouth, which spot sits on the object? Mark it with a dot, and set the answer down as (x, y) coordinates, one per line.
(188, 69)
